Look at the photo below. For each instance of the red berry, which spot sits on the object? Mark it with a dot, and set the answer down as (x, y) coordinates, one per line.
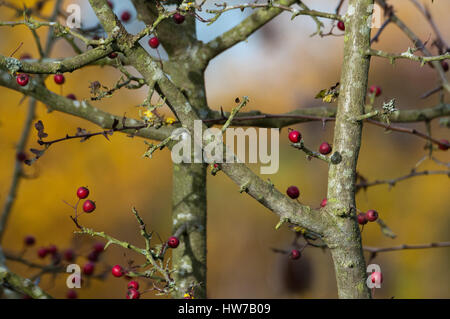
(110, 4)
(88, 269)
(125, 16)
(117, 271)
(21, 156)
(133, 294)
(341, 26)
(42, 252)
(153, 42)
(93, 256)
(375, 89)
(22, 79)
(99, 247)
(72, 294)
(371, 215)
(52, 249)
(25, 56)
(89, 206)
(133, 284)
(82, 192)
(71, 96)
(295, 254)
(325, 148)
(323, 203)
(444, 147)
(178, 18)
(362, 219)
(376, 277)
(295, 136)
(173, 242)
(59, 79)
(293, 192)
(216, 165)
(113, 55)
(69, 255)
(444, 66)
(29, 240)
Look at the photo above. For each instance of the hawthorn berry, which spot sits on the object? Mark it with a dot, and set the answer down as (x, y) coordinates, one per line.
(325, 148)
(125, 16)
(42, 252)
(72, 294)
(133, 294)
(178, 18)
(82, 192)
(293, 192)
(376, 277)
(88, 269)
(173, 242)
(375, 89)
(88, 206)
(362, 219)
(69, 255)
(323, 203)
(110, 4)
(341, 26)
(372, 215)
(445, 66)
(21, 156)
(59, 79)
(295, 136)
(133, 284)
(52, 249)
(295, 254)
(71, 96)
(113, 55)
(153, 42)
(444, 147)
(22, 79)
(93, 256)
(99, 247)
(117, 271)
(25, 56)
(29, 240)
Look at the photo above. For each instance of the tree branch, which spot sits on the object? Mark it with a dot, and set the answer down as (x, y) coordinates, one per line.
(22, 285)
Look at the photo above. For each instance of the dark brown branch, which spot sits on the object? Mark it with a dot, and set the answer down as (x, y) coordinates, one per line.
(392, 182)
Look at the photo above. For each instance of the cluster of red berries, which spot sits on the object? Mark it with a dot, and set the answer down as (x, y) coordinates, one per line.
(93, 256)
(133, 290)
(88, 205)
(296, 137)
(369, 216)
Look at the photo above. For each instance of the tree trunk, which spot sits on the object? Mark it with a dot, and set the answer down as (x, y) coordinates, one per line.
(189, 208)
(343, 236)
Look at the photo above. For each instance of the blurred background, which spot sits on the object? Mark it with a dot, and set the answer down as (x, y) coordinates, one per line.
(281, 68)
